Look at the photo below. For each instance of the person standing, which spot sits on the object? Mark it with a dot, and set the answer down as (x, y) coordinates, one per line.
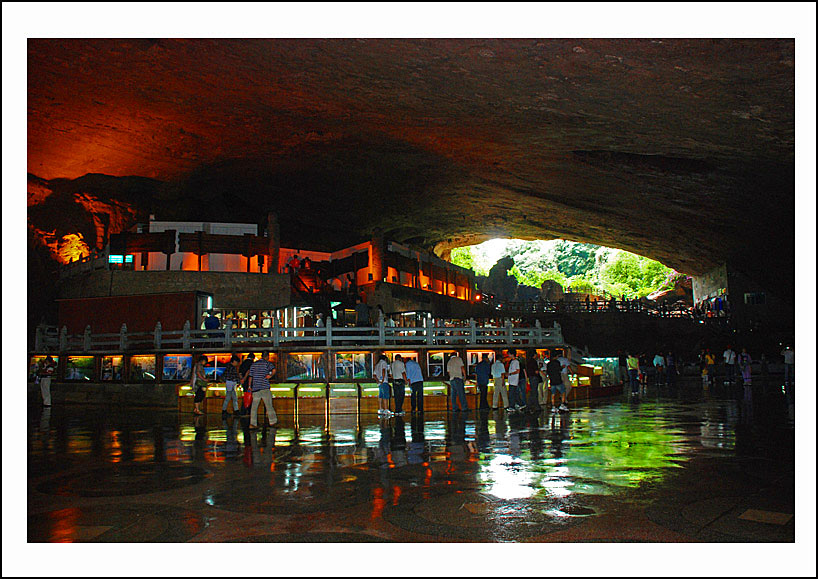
(482, 372)
(623, 367)
(414, 376)
(633, 373)
(703, 366)
(457, 375)
(45, 372)
(554, 371)
(672, 372)
(542, 390)
(729, 364)
(515, 403)
(382, 376)
(745, 363)
(361, 313)
(789, 364)
(231, 380)
(660, 364)
(566, 367)
(398, 383)
(244, 379)
(498, 374)
(710, 363)
(532, 370)
(261, 372)
(643, 371)
(213, 323)
(197, 384)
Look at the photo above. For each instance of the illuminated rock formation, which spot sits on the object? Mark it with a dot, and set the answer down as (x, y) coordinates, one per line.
(679, 150)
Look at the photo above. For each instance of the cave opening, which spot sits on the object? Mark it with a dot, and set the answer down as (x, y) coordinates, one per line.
(595, 270)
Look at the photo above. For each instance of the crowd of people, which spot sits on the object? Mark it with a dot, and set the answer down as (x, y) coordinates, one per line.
(252, 375)
(522, 385)
(665, 367)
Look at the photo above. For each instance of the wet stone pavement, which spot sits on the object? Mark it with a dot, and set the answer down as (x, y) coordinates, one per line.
(681, 466)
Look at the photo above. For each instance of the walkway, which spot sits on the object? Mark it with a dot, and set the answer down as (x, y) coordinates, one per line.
(674, 468)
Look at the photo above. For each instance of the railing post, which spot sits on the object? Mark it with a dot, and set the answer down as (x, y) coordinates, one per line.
(157, 336)
(276, 327)
(328, 328)
(430, 332)
(123, 337)
(63, 339)
(538, 331)
(186, 335)
(38, 339)
(509, 334)
(472, 332)
(86, 339)
(228, 334)
(381, 333)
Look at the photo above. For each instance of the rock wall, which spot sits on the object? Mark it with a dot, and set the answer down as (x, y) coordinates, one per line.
(230, 290)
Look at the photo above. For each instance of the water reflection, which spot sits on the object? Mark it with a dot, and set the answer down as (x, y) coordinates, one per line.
(602, 449)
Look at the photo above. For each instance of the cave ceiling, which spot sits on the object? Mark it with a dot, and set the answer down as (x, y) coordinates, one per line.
(680, 150)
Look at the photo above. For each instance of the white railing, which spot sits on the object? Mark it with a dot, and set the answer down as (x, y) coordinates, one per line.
(228, 337)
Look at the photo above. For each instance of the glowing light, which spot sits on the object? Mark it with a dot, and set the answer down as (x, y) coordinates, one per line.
(505, 481)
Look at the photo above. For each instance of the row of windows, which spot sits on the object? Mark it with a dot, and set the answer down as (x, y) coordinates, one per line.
(307, 366)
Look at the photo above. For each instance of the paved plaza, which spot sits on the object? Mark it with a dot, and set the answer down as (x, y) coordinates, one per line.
(681, 466)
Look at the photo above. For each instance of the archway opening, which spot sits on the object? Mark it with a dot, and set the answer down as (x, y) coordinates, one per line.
(577, 267)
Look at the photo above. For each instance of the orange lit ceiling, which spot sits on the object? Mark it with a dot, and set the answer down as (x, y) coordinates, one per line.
(638, 144)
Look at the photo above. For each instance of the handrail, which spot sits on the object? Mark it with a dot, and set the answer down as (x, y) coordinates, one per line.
(227, 338)
(598, 306)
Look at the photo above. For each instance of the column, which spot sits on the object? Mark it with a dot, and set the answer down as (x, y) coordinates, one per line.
(274, 242)
(377, 265)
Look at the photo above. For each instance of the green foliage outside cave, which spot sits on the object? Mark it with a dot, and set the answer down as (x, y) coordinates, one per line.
(583, 267)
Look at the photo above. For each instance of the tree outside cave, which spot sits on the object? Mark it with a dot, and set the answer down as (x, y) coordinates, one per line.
(578, 267)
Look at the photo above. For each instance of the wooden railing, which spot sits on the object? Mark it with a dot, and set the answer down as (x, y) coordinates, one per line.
(228, 337)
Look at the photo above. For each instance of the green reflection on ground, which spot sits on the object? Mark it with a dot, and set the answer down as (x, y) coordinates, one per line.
(593, 452)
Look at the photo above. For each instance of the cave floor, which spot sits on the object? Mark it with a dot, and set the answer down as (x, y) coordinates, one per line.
(681, 466)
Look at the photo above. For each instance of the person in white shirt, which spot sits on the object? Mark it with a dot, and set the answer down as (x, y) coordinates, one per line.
(729, 364)
(789, 364)
(498, 374)
(659, 364)
(457, 375)
(381, 372)
(515, 401)
(566, 366)
(542, 388)
(398, 383)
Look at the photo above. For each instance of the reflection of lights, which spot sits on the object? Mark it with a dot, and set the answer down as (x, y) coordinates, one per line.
(149, 375)
(505, 480)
